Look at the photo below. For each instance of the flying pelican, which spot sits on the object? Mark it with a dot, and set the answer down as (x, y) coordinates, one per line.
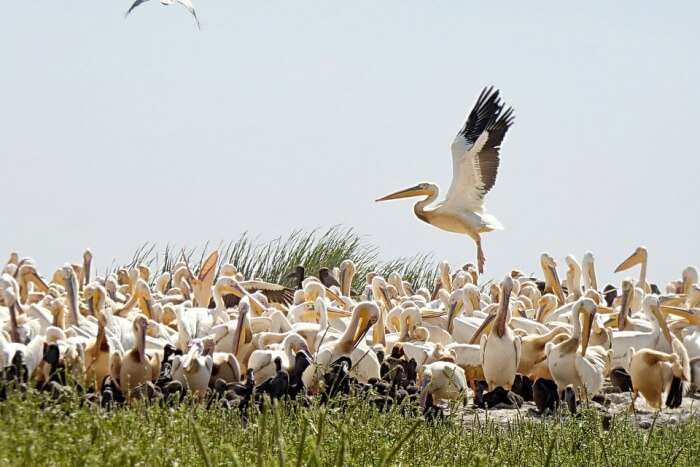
(186, 3)
(475, 160)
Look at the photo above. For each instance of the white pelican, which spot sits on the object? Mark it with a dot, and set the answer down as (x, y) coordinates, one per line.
(588, 270)
(186, 3)
(568, 367)
(573, 278)
(364, 361)
(501, 348)
(443, 380)
(640, 256)
(194, 369)
(475, 160)
(262, 361)
(657, 338)
(652, 373)
(135, 367)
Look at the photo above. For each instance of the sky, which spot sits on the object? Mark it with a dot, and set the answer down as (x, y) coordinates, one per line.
(283, 115)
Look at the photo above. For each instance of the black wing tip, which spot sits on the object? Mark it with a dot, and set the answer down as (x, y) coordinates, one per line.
(485, 113)
(503, 121)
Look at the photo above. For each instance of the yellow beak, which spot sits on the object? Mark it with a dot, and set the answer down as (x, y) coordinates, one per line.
(688, 315)
(661, 318)
(586, 332)
(455, 309)
(405, 193)
(484, 328)
(633, 260)
(362, 328)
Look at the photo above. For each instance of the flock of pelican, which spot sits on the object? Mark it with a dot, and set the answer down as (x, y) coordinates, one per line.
(209, 333)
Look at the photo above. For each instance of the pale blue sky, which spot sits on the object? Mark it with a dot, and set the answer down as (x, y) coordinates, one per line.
(298, 114)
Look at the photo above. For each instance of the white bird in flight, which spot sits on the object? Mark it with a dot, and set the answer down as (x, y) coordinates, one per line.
(186, 3)
(475, 159)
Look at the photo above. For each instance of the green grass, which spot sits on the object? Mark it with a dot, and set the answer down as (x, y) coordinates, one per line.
(274, 259)
(71, 434)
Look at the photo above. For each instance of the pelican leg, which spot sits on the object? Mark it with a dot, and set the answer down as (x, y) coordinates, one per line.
(481, 259)
(635, 394)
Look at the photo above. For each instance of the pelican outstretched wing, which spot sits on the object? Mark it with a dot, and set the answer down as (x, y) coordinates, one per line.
(134, 5)
(475, 151)
(188, 4)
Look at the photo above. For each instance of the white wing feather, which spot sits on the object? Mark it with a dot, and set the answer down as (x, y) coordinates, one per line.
(466, 187)
(590, 370)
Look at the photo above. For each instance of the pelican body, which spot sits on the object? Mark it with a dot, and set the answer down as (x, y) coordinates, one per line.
(475, 160)
(501, 348)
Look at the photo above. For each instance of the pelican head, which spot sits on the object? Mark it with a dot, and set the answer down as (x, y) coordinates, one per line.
(690, 277)
(485, 327)
(367, 315)
(549, 268)
(228, 270)
(588, 267)
(588, 308)
(455, 308)
(502, 317)
(380, 291)
(638, 257)
(313, 290)
(546, 304)
(422, 189)
(472, 294)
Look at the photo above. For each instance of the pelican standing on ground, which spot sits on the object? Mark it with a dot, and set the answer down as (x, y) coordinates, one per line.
(475, 160)
(501, 348)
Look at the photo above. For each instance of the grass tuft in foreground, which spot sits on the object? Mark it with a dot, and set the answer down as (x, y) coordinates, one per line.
(69, 433)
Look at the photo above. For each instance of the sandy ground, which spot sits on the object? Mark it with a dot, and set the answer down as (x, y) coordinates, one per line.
(617, 403)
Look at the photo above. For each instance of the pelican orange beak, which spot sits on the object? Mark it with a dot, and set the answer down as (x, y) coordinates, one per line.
(612, 321)
(417, 190)
(627, 291)
(684, 313)
(539, 314)
(455, 309)
(550, 269)
(366, 321)
(589, 270)
(485, 327)
(661, 318)
(586, 331)
(672, 300)
(475, 301)
(238, 333)
(39, 282)
(145, 305)
(384, 295)
(634, 259)
(87, 262)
